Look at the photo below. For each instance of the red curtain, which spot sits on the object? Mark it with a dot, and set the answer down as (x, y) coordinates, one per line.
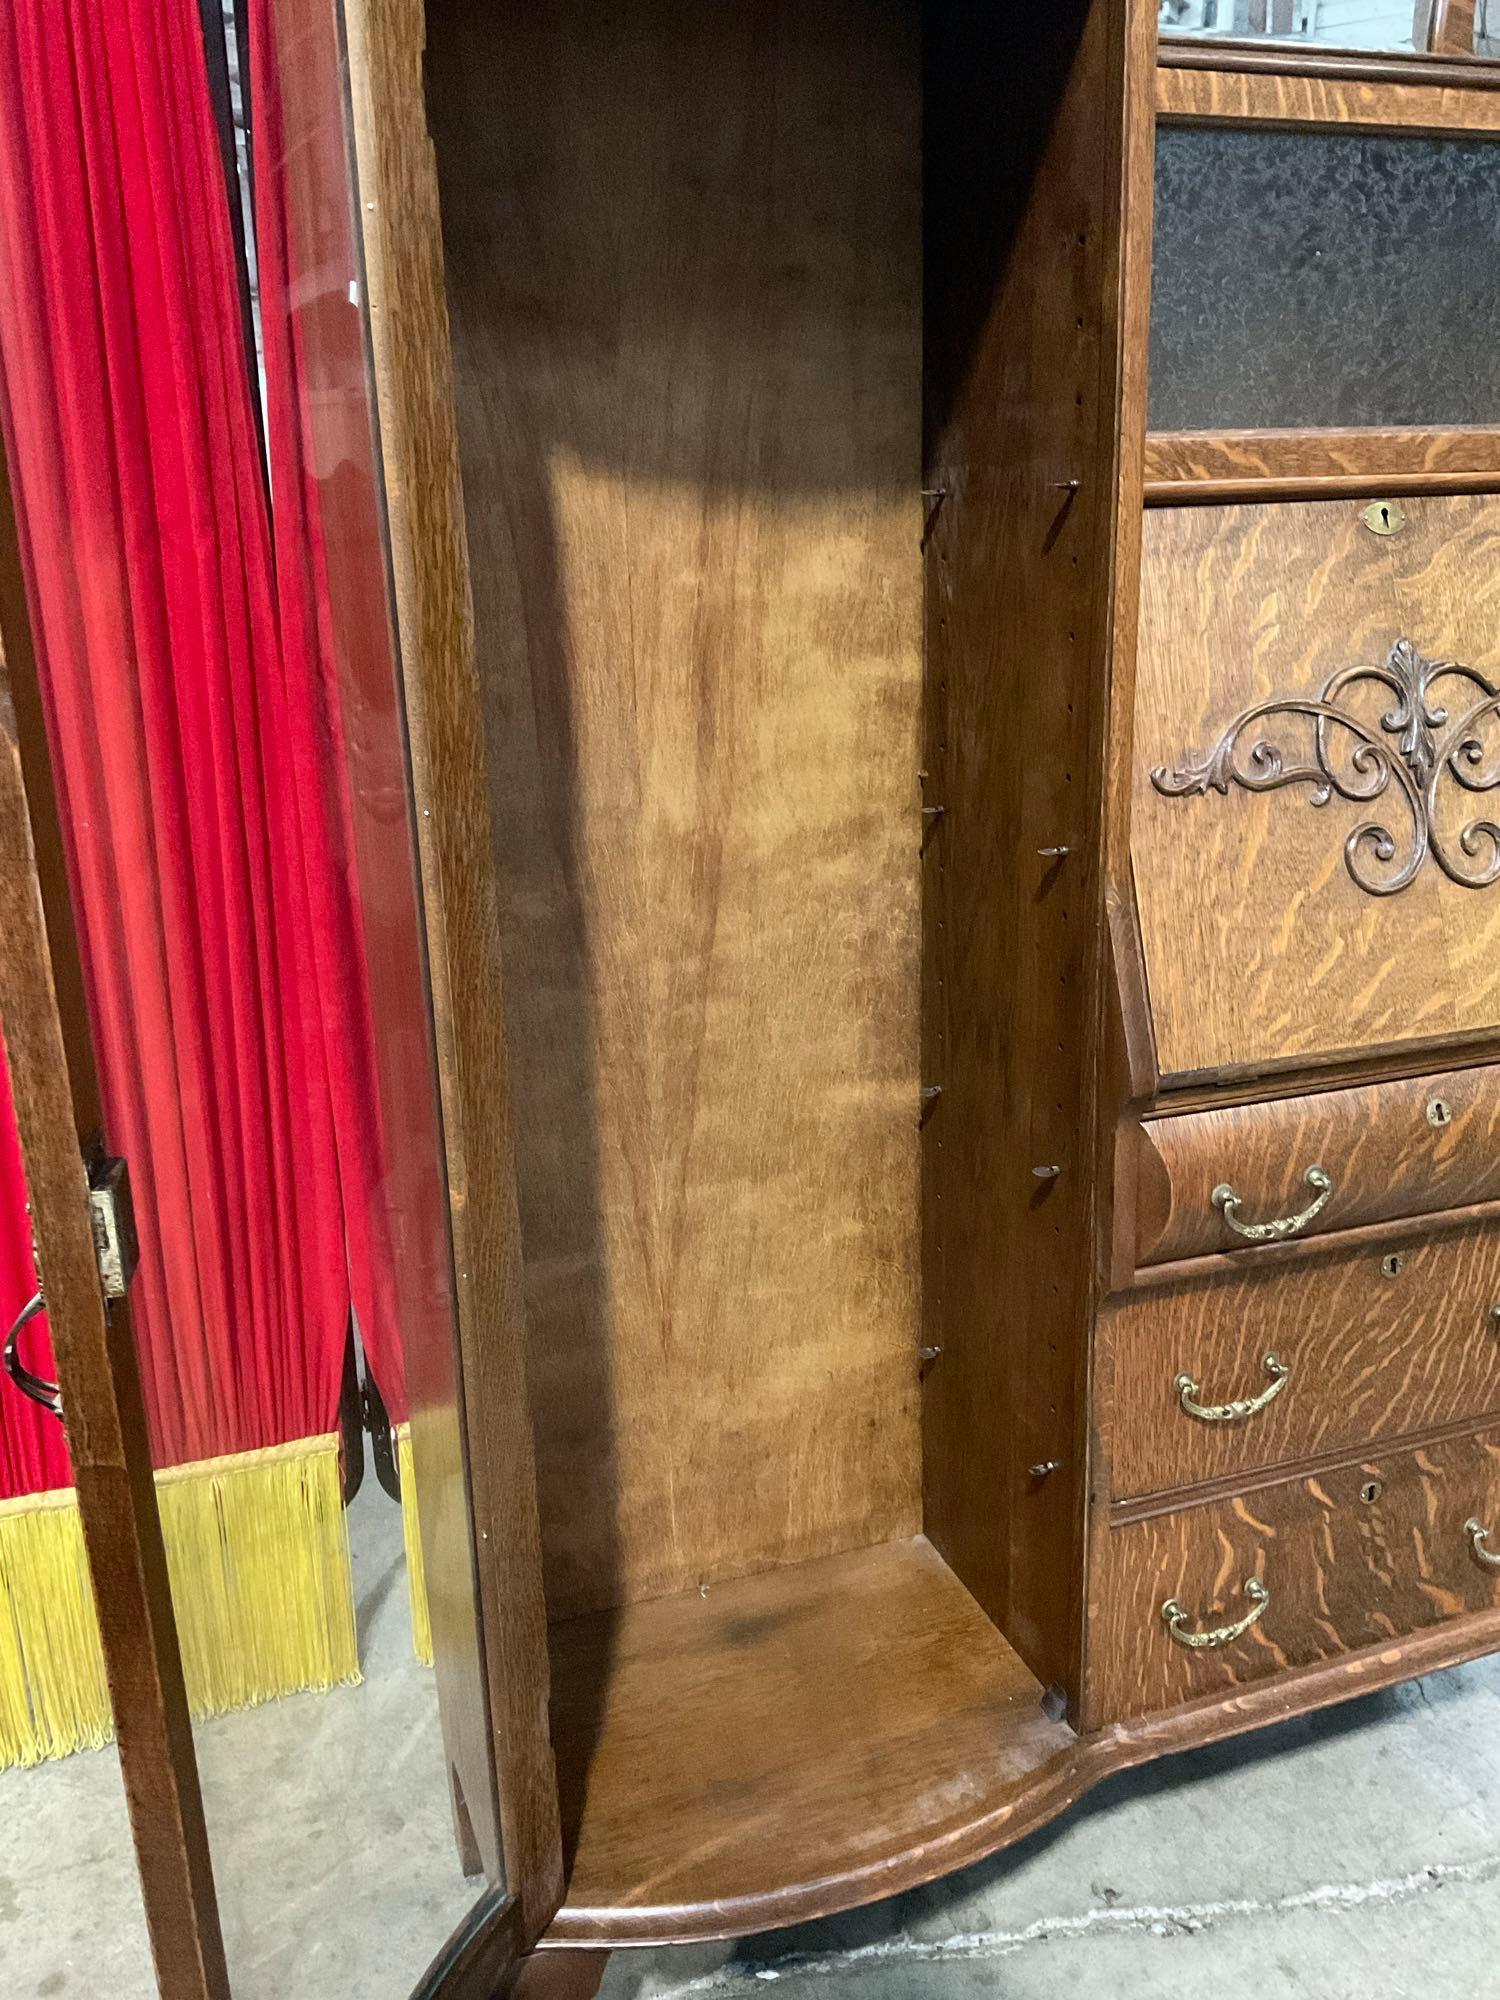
(330, 580)
(329, 526)
(190, 720)
(33, 1456)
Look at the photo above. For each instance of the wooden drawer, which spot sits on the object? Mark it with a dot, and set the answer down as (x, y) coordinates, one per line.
(1389, 1149)
(1312, 873)
(1370, 1353)
(1354, 1557)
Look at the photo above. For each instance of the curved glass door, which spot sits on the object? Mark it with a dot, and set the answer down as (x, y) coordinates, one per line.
(188, 422)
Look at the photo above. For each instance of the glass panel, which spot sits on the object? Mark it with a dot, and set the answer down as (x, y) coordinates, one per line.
(70, 1899)
(188, 426)
(1337, 24)
(1309, 279)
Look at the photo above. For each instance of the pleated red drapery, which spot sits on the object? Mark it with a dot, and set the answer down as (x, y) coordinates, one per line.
(330, 575)
(188, 716)
(33, 1456)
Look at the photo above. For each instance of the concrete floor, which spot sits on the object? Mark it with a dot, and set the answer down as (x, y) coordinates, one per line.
(328, 1817)
(1354, 1855)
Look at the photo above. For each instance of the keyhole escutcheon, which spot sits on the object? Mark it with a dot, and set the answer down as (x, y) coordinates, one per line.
(1383, 517)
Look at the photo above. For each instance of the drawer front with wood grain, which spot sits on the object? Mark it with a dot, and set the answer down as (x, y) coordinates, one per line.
(1223, 1376)
(1209, 1598)
(1317, 727)
(1408, 1148)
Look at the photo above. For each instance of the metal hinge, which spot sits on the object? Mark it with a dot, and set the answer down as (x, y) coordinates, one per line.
(112, 1217)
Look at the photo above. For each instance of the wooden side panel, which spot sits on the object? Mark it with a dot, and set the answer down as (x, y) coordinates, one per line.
(1410, 1147)
(470, 1421)
(59, 1118)
(1373, 1353)
(1356, 1557)
(1024, 384)
(683, 270)
(1262, 951)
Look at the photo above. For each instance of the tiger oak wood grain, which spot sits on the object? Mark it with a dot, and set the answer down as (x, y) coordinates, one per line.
(1379, 1145)
(1343, 1573)
(471, 1434)
(1196, 467)
(688, 399)
(1261, 952)
(1371, 1356)
(1341, 103)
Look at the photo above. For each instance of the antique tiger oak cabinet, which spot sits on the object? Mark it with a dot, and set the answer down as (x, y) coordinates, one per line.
(946, 568)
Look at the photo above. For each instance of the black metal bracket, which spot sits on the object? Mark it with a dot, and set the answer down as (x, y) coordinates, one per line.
(351, 1431)
(46, 1393)
(362, 1409)
(382, 1438)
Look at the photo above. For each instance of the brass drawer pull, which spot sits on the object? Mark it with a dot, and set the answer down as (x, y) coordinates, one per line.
(1187, 1388)
(1227, 1202)
(1222, 1635)
(1478, 1536)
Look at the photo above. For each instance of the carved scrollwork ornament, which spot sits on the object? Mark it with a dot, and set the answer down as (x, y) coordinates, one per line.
(1414, 753)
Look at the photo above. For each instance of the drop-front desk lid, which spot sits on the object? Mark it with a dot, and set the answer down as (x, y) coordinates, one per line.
(1316, 809)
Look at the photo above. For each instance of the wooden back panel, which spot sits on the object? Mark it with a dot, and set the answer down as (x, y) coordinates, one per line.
(1262, 950)
(684, 286)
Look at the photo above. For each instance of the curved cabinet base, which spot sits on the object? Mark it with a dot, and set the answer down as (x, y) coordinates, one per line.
(830, 1735)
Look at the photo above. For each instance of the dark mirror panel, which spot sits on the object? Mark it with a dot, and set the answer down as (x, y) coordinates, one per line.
(1337, 24)
(1309, 279)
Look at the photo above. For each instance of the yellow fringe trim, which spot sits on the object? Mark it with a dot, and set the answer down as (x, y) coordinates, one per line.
(416, 1572)
(258, 1555)
(53, 1697)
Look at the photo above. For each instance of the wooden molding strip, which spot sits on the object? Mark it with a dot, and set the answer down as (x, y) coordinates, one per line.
(1342, 104)
(1391, 1064)
(1285, 59)
(1195, 468)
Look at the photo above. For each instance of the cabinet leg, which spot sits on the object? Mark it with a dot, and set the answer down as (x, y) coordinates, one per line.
(558, 1975)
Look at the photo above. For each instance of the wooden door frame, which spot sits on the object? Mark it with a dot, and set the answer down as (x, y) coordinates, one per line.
(59, 1117)
(473, 1407)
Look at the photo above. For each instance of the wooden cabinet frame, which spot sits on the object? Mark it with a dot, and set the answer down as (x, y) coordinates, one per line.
(59, 1117)
(963, 1651)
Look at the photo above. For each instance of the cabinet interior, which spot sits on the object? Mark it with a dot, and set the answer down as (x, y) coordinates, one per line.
(684, 282)
(684, 269)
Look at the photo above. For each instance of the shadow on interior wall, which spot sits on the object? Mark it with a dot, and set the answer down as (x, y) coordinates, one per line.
(683, 248)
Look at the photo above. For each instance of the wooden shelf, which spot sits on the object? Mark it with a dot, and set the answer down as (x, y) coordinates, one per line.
(787, 1745)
